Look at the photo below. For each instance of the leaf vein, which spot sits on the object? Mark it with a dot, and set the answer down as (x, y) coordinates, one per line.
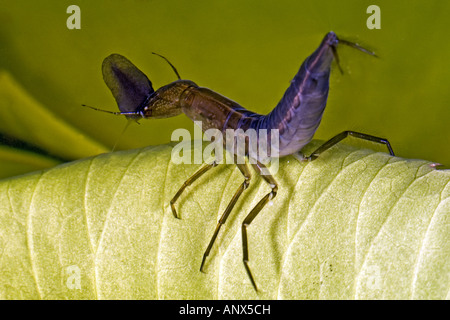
(371, 244)
(107, 217)
(284, 259)
(158, 252)
(29, 239)
(359, 215)
(421, 251)
(88, 233)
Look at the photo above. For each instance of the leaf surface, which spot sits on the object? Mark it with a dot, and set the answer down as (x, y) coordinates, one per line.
(352, 224)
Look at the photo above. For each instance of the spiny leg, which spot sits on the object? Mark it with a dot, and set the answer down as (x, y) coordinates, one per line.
(344, 135)
(259, 167)
(188, 182)
(246, 173)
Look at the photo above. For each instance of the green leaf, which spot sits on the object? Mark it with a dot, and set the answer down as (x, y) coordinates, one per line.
(352, 224)
(15, 161)
(22, 117)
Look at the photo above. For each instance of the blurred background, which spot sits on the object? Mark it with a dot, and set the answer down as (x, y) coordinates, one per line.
(245, 50)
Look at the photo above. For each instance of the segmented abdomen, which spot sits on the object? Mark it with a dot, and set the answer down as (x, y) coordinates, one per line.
(298, 114)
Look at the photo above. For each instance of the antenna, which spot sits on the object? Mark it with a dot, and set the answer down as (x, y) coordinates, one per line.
(130, 120)
(116, 113)
(173, 68)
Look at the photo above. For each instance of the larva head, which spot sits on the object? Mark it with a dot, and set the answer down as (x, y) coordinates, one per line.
(166, 101)
(134, 93)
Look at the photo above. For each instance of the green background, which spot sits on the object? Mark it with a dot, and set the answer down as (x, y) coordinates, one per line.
(245, 50)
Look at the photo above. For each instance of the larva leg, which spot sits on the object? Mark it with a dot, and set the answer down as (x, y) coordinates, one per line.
(344, 135)
(246, 173)
(188, 182)
(260, 168)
